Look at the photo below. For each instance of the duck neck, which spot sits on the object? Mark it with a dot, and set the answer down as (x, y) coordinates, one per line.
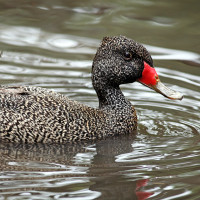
(110, 96)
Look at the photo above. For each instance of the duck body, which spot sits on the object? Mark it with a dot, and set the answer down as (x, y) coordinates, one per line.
(33, 114)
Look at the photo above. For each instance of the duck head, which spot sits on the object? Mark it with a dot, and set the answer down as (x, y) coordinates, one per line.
(120, 60)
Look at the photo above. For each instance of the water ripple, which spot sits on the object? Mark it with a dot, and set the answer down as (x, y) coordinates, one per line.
(34, 37)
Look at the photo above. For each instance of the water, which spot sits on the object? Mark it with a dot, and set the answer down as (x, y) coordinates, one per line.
(51, 44)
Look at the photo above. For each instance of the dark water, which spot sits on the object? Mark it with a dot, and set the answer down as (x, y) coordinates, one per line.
(51, 44)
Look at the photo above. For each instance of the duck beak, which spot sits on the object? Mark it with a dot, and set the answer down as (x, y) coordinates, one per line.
(150, 79)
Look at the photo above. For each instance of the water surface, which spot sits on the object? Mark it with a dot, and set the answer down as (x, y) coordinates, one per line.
(51, 44)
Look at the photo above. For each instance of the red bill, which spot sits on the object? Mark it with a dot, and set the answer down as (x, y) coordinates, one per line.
(150, 79)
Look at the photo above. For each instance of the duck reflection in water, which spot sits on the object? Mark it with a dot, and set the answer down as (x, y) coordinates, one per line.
(102, 174)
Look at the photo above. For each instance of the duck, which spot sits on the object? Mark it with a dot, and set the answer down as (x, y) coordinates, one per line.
(37, 115)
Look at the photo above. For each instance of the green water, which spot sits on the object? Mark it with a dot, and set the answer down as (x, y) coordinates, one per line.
(51, 44)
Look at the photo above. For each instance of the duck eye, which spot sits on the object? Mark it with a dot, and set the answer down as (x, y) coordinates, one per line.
(128, 55)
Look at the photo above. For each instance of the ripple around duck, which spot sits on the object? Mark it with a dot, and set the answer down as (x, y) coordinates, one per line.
(163, 123)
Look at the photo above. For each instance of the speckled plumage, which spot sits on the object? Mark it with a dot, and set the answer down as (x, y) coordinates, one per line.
(31, 114)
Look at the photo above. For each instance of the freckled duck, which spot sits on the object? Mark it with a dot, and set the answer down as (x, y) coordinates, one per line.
(33, 114)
